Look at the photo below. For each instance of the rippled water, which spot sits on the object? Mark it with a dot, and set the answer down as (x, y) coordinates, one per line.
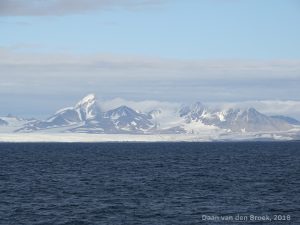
(142, 183)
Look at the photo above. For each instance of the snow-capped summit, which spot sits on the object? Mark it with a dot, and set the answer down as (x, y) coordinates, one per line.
(87, 100)
(127, 119)
(88, 107)
(85, 109)
(121, 111)
(193, 111)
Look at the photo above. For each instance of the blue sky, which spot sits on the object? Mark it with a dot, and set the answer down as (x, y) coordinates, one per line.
(207, 50)
(191, 29)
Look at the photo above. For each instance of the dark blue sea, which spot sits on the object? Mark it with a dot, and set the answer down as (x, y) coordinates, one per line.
(150, 183)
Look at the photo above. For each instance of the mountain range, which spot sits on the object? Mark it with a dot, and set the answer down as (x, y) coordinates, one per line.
(87, 116)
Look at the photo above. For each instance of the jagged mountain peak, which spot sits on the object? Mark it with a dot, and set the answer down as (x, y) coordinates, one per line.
(252, 110)
(121, 111)
(87, 100)
(197, 107)
(193, 111)
(124, 109)
(88, 107)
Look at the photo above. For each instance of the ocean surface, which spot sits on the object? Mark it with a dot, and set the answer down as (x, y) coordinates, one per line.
(150, 183)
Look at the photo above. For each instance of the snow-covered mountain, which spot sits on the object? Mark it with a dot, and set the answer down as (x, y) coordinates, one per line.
(12, 123)
(117, 121)
(85, 109)
(243, 120)
(87, 116)
(129, 120)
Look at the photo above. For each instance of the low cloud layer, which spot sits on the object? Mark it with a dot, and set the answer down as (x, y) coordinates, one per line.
(132, 66)
(51, 81)
(65, 7)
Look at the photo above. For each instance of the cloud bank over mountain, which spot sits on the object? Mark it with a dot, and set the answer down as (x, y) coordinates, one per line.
(36, 76)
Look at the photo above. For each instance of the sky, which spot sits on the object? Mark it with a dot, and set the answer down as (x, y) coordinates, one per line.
(54, 52)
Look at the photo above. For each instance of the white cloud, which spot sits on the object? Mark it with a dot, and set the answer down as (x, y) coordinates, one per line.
(65, 7)
(61, 78)
(135, 65)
